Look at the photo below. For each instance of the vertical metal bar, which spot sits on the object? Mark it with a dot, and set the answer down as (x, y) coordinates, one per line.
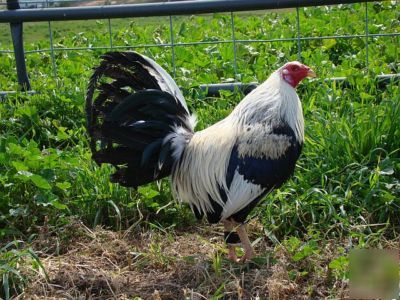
(53, 59)
(18, 45)
(171, 32)
(298, 34)
(234, 47)
(366, 37)
(110, 33)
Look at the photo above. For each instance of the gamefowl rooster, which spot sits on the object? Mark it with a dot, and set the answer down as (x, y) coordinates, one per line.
(140, 123)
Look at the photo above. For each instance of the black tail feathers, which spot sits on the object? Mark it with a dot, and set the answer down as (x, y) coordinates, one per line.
(137, 118)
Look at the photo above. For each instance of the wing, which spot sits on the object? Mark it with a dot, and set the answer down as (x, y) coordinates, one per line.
(261, 160)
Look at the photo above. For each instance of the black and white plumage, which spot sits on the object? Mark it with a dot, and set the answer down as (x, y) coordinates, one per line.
(140, 123)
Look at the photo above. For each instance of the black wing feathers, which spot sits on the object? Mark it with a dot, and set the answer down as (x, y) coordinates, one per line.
(128, 117)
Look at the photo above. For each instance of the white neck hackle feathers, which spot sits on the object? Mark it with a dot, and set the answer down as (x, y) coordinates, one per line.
(201, 171)
(273, 101)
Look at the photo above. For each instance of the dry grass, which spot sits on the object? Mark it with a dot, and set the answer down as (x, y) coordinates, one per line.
(158, 264)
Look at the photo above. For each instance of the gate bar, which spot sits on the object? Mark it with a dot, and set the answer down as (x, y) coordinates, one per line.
(16, 28)
(157, 9)
(213, 90)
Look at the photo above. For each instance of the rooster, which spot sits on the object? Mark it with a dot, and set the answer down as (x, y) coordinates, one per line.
(138, 121)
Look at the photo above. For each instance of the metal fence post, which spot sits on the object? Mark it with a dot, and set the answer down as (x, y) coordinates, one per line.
(110, 34)
(235, 69)
(53, 57)
(18, 44)
(298, 34)
(172, 42)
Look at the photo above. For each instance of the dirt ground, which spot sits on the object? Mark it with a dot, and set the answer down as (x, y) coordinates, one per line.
(167, 264)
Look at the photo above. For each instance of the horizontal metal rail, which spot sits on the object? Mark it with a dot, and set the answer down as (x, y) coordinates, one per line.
(50, 2)
(185, 44)
(156, 9)
(213, 90)
(4, 94)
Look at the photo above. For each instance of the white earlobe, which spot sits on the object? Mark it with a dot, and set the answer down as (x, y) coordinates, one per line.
(285, 71)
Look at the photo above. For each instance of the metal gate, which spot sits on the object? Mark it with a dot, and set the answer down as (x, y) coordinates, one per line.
(16, 17)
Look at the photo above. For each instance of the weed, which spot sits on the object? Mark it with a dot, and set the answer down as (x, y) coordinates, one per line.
(15, 266)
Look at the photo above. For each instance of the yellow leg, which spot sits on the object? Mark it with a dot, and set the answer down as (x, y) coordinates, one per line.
(248, 249)
(228, 227)
(232, 253)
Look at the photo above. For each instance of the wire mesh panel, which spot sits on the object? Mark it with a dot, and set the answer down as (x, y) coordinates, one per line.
(290, 33)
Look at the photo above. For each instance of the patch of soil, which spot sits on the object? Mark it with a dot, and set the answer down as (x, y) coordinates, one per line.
(156, 264)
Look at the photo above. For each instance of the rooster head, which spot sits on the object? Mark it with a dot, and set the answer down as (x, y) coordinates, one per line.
(294, 72)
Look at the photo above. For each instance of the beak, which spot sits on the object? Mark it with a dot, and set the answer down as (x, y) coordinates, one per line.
(311, 73)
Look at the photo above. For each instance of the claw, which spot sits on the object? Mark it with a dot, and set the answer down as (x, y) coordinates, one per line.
(248, 255)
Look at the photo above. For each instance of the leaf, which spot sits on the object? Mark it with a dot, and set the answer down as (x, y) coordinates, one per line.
(61, 134)
(40, 182)
(6, 286)
(2, 158)
(388, 170)
(339, 263)
(15, 149)
(63, 185)
(19, 166)
(59, 205)
(37, 259)
(306, 250)
(24, 175)
(112, 203)
(44, 199)
(292, 244)
(14, 243)
(261, 260)
(148, 192)
(28, 111)
(182, 29)
(18, 212)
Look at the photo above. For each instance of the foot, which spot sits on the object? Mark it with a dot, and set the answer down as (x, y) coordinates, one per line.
(248, 249)
(232, 254)
(248, 255)
(228, 231)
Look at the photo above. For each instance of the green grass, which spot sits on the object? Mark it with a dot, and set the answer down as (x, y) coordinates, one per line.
(347, 180)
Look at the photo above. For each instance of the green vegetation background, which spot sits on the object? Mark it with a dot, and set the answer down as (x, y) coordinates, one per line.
(346, 182)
